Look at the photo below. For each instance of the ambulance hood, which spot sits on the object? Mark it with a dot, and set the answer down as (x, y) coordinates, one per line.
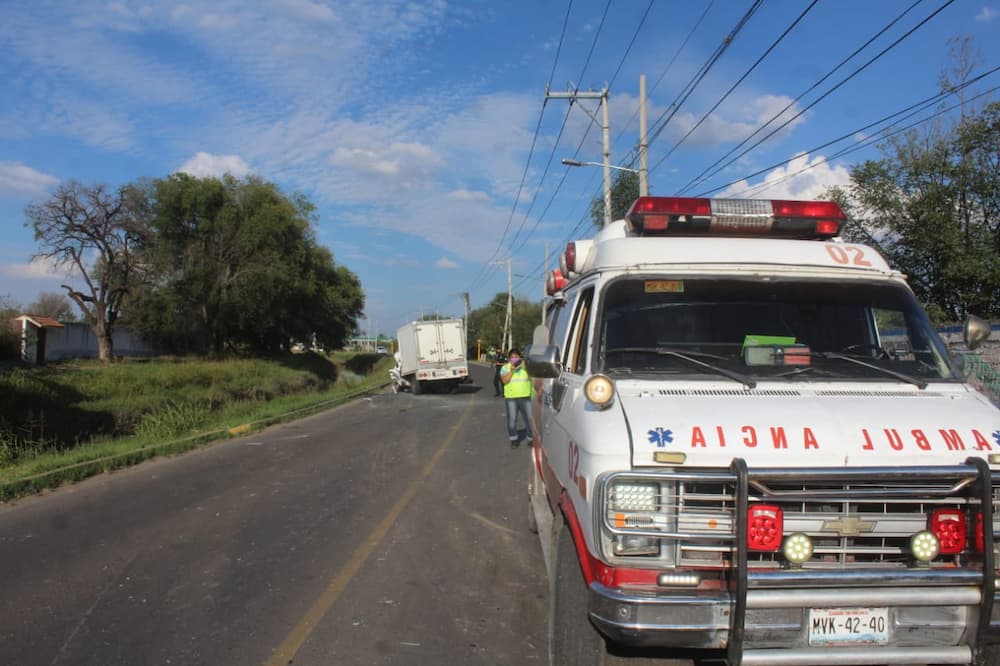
(822, 426)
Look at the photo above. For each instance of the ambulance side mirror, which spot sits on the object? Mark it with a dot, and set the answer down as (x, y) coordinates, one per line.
(542, 361)
(975, 332)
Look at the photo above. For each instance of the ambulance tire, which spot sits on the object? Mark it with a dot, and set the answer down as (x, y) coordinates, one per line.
(415, 387)
(573, 640)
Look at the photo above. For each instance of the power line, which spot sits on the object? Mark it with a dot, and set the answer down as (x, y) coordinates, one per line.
(562, 128)
(899, 116)
(562, 180)
(830, 91)
(691, 84)
(666, 69)
(699, 76)
(747, 73)
(697, 179)
(902, 114)
(534, 141)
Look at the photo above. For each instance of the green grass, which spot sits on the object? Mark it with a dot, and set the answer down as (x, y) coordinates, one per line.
(68, 421)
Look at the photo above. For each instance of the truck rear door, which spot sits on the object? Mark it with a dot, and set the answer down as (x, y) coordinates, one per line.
(429, 345)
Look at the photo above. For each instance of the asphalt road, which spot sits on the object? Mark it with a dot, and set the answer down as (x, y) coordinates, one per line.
(392, 530)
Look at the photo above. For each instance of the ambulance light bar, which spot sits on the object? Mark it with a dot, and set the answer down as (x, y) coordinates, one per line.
(685, 216)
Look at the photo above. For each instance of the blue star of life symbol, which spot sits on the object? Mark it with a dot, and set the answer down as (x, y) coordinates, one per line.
(660, 437)
(996, 436)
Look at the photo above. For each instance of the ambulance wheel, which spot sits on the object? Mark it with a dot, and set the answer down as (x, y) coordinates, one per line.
(573, 640)
(415, 387)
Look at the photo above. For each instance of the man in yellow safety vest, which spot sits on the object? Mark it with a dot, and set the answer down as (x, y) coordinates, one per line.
(517, 395)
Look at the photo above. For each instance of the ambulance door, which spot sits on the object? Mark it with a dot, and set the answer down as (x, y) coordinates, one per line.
(561, 433)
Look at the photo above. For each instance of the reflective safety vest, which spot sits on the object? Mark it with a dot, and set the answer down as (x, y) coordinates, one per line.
(519, 385)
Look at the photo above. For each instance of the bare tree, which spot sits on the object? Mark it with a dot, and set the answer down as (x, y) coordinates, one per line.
(95, 232)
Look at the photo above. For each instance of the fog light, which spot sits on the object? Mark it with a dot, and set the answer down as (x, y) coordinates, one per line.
(797, 548)
(678, 580)
(924, 546)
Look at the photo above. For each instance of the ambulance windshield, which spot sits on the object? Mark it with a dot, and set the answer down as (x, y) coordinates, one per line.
(802, 330)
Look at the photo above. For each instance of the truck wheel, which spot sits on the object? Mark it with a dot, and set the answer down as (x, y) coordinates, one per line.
(573, 640)
(415, 387)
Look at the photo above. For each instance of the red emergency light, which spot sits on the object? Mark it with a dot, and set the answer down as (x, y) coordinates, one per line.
(948, 525)
(765, 525)
(686, 216)
(571, 257)
(555, 282)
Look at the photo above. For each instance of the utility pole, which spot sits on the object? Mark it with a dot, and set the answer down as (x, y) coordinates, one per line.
(465, 297)
(507, 335)
(510, 307)
(602, 95)
(643, 164)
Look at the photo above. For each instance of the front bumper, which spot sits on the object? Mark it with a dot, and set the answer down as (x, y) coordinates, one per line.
(933, 616)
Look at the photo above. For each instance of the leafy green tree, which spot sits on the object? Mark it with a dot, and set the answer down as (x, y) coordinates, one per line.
(486, 323)
(624, 192)
(932, 205)
(237, 268)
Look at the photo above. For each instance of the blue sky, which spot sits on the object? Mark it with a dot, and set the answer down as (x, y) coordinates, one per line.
(410, 123)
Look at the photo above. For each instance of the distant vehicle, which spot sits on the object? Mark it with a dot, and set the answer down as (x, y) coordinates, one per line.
(432, 354)
(381, 350)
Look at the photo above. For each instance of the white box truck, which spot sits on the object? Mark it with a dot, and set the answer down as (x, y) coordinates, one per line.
(432, 354)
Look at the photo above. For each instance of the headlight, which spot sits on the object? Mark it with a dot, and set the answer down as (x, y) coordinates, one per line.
(600, 390)
(626, 496)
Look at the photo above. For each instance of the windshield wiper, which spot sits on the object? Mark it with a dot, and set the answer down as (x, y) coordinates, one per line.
(689, 357)
(919, 383)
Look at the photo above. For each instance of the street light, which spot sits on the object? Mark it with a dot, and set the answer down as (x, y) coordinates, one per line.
(607, 180)
(577, 163)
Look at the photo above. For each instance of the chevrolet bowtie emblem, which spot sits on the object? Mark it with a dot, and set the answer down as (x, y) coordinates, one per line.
(848, 526)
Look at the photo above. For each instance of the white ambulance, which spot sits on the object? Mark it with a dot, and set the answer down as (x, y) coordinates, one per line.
(754, 447)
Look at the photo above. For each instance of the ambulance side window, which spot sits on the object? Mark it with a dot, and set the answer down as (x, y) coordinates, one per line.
(575, 356)
(558, 323)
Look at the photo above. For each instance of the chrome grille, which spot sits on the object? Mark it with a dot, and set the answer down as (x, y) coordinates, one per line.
(852, 522)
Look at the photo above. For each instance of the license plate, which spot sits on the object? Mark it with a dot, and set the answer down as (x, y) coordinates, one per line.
(848, 626)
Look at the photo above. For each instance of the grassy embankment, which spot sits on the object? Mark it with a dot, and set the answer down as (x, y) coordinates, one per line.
(71, 420)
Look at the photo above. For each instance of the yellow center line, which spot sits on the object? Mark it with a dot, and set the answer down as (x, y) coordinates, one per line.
(285, 652)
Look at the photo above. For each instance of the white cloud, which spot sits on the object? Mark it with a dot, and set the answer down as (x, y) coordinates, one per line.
(802, 178)
(405, 162)
(20, 180)
(445, 263)
(37, 269)
(987, 14)
(736, 120)
(310, 11)
(203, 165)
(468, 195)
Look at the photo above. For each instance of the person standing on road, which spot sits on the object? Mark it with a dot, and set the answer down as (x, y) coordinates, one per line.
(517, 395)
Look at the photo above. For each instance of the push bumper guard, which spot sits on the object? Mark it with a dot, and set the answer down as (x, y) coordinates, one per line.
(939, 615)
